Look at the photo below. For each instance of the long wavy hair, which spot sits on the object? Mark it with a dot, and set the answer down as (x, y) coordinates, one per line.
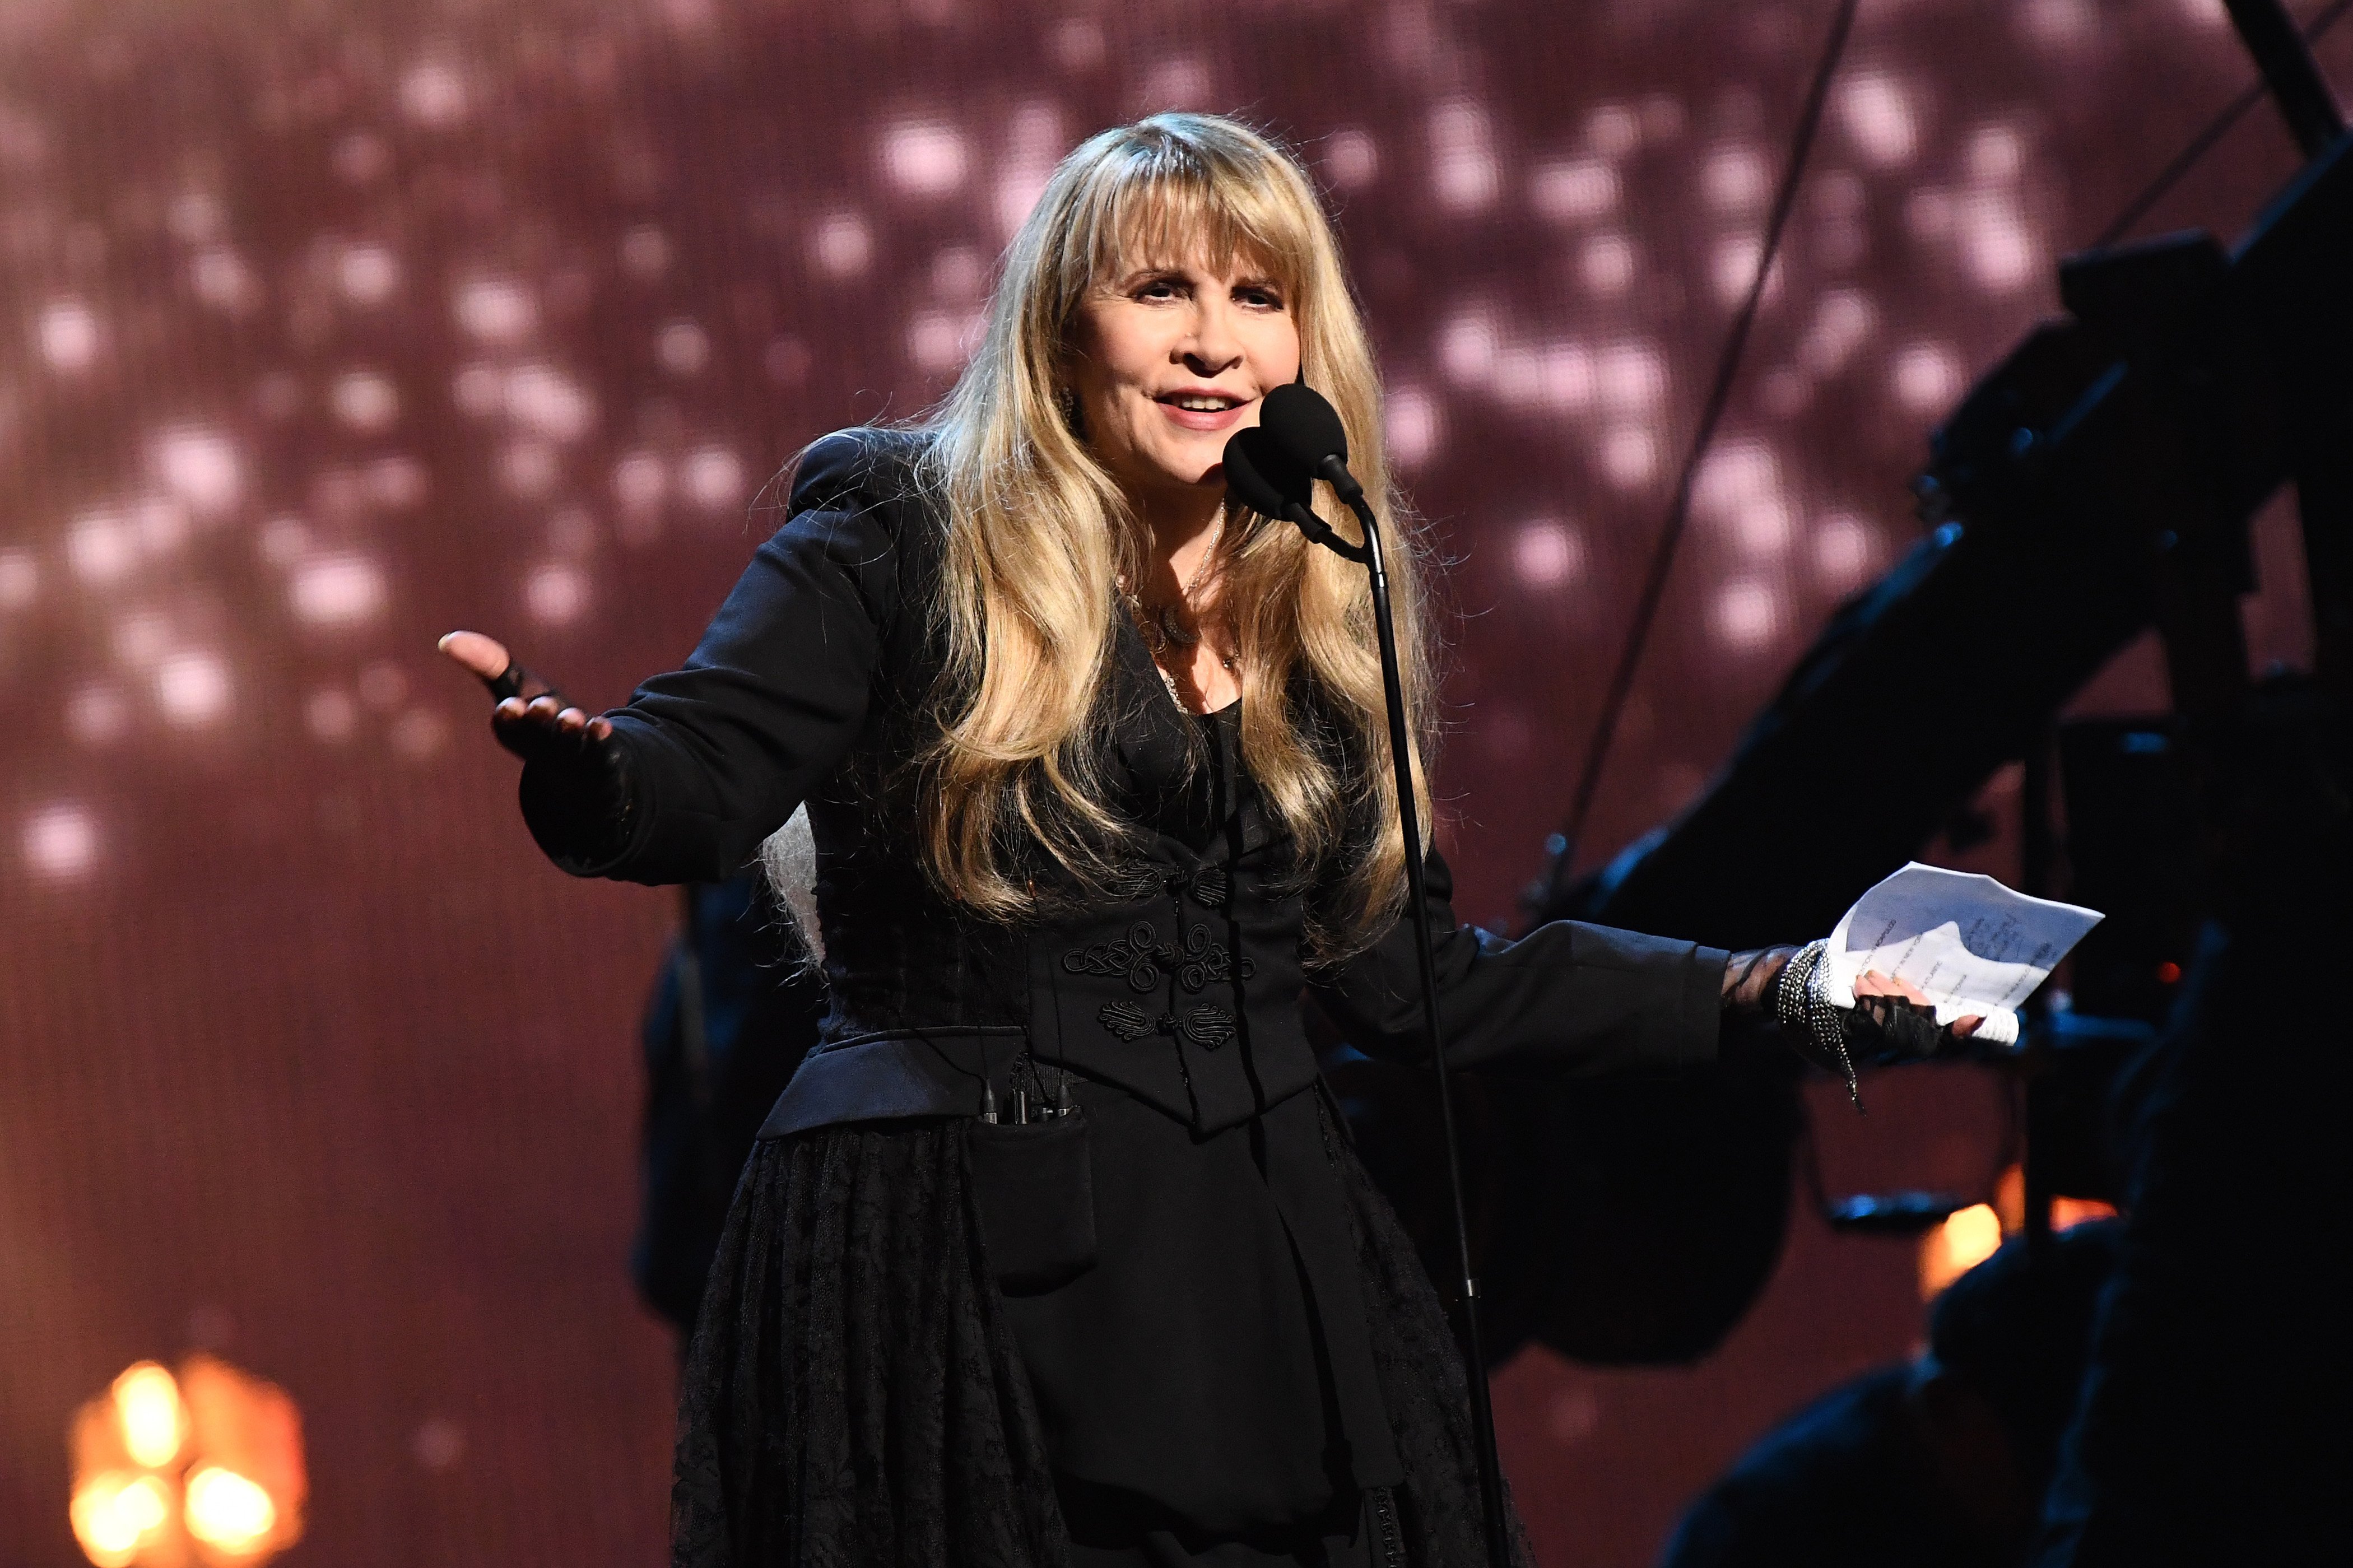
(1039, 537)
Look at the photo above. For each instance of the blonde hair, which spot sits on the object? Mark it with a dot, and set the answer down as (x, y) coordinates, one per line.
(1039, 536)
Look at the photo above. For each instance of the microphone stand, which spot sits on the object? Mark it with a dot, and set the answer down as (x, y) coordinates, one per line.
(1335, 472)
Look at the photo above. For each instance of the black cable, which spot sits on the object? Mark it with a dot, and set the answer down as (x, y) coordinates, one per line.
(1646, 607)
(2204, 142)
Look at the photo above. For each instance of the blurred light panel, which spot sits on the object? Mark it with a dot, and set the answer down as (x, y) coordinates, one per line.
(1629, 456)
(369, 275)
(337, 591)
(1574, 190)
(1414, 426)
(68, 335)
(497, 311)
(1879, 116)
(192, 688)
(366, 401)
(1926, 377)
(1846, 551)
(712, 478)
(1351, 159)
(1606, 264)
(1745, 615)
(201, 464)
(1736, 179)
(556, 594)
(1547, 554)
(1464, 175)
(842, 244)
(60, 841)
(924, 158)
(683, 348)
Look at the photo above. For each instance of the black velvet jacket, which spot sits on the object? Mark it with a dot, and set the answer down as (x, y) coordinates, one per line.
(1202, 1344)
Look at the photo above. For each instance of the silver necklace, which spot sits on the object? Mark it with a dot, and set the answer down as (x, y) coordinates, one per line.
(1166, 628)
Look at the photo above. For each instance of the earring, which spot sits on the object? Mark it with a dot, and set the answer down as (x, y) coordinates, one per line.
(1068, 399)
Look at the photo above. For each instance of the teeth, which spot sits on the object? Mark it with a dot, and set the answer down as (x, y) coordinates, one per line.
(1205, 405)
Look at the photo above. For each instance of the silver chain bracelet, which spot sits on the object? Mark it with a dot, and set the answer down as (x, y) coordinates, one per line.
(1801, 1002)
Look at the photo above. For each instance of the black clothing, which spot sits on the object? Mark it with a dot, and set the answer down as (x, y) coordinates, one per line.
(1215, 1352)
(1841, 1484)
(854, 1396)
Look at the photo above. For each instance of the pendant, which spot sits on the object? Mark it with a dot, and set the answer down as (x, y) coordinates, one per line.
(1175, 630)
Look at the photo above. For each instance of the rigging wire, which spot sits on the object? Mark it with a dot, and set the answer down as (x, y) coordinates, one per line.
(1736, 344)
(1646, 607)
(2204, 142)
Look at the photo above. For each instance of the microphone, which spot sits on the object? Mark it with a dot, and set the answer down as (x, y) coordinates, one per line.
(1262, 477)
(1307, 430)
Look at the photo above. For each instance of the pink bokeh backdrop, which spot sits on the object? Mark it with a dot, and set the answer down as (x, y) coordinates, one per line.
(326, 327)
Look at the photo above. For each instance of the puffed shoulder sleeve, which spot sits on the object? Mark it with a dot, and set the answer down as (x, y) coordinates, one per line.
(709, 759)
(1567, 998)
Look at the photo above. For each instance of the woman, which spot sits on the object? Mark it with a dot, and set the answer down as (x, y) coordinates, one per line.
(1053, 1251)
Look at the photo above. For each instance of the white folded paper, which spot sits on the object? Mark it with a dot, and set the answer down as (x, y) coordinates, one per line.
(1967, 943)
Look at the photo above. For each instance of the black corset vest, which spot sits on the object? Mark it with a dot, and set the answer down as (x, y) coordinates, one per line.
(1181, 986)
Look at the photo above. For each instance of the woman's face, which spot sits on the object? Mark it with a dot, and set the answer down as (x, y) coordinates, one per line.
(1168, 362)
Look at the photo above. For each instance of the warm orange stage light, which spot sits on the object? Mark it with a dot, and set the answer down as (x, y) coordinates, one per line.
(117, 1514)
(154, 1422)
(208, 1464)
(226, 1511)
(1965, 1239)
(1972, 1235)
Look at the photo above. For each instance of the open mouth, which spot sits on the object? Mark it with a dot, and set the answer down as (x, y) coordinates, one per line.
(1200, 402)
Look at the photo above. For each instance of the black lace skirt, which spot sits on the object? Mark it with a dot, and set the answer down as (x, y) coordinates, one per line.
(854, 1397)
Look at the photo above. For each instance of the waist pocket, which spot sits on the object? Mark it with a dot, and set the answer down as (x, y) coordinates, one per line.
(1033, 1185)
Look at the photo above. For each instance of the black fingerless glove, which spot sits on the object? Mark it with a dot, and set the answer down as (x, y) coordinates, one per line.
(576, 800)
(1889, 1029)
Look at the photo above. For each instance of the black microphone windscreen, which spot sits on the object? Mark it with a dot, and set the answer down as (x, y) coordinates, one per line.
(1305, 427)
(1261, 477)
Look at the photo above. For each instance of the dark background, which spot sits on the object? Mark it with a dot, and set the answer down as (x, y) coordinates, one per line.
(330, 327)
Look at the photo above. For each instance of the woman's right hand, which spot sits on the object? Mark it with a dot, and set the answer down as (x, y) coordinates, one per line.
(532, 724)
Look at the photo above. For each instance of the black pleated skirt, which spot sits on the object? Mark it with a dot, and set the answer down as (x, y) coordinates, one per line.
(854, 1396)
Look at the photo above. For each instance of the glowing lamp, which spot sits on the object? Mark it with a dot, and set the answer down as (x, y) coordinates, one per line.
(208, 1464)
(229, 1513)
(155, 1423)
(1964, 1240)
(117, 1515)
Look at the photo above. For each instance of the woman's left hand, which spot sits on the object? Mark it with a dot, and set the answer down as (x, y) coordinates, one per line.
(1892, 1022)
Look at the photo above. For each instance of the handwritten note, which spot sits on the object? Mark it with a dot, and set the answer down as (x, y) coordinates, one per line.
(1967, 943)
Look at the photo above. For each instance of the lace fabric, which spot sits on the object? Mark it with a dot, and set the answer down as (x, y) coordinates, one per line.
(852, 1398)
(853, 1395)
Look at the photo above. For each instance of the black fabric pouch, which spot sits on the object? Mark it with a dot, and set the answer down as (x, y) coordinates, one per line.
(1034, 1186)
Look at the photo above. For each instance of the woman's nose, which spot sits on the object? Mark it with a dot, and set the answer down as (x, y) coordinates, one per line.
(1212, 346)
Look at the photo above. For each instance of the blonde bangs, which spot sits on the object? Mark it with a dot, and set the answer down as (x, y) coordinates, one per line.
(1163, 212)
